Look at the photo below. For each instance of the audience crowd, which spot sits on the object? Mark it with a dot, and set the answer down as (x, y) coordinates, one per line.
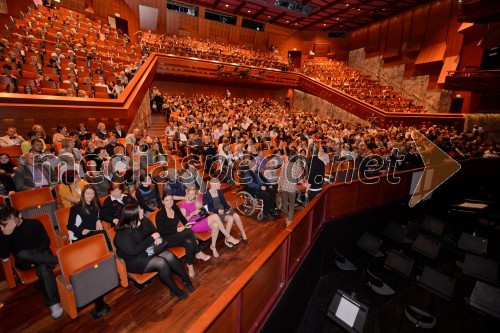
(339, 75)
(272, 151)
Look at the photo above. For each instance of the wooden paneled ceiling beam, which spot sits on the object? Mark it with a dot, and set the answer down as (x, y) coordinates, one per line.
(277, 17)
(261, 11)
(240, 6)
(216, 3)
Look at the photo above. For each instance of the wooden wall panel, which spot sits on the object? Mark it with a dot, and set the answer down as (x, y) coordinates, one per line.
(394, 37)
(438, 22)
(369, 195)
(214, 89)
(299, 241)
(263, 287)
(418, 28)
(227, 321)
(373, 42)
(344, 199)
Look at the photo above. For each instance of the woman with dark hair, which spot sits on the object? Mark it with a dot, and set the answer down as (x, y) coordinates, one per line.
(114, 203)
(167, 222)
(6, 165)
(62, 133)
(147, 195)
(84, 218)
(143, 250)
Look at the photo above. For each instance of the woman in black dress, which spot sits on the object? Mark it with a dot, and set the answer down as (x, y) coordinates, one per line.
(143, 250)
(84, 218)
(167, 222)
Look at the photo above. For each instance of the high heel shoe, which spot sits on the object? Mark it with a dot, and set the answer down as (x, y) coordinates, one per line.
(229, 244)
(231, 240)
(214, 251)
(189, 287)
(191, 274)
(181, 294)
(245, 240)
(204, 257)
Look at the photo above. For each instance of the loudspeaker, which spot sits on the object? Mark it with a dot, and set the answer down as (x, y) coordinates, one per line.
(456, 105)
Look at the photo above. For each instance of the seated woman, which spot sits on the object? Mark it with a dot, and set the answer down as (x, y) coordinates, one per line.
(190, 208)
(71, 188)
(142, 248)
(6, 165)
(214, 199)
(84, 220)
(174, 187)
(114, 203)
(167, 222)
(147, 195)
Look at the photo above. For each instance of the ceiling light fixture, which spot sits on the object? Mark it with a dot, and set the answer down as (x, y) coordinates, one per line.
(227, 5)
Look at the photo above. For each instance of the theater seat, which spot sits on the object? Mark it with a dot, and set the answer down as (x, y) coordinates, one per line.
(29, 276)
(62, 235)
(88, 272)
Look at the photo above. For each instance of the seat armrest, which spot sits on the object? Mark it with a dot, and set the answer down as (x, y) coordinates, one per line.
(61, 239)
(9, 273)
(122, 271)
(67, 296)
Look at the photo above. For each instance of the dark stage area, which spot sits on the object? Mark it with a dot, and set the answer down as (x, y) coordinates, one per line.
(304, 305)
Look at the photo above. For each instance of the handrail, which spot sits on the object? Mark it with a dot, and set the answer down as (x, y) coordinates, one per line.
(475, 73)
(417, 98)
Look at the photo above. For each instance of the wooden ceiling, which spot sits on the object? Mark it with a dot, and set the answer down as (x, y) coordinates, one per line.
(329, 15)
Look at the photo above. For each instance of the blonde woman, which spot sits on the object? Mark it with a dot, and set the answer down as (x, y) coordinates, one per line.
(191, 208)
(216, 203)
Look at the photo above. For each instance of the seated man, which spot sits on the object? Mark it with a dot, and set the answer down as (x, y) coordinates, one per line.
(32, 174)
(254, 183)
(12, 139)
(28, 241)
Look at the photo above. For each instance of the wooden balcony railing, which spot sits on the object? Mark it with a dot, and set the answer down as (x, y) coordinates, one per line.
(23, 111)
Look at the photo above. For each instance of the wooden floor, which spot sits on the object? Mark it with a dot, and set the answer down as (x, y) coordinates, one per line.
(151, 309)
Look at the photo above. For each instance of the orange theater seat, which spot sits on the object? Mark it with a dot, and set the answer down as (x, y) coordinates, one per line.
(30, 198)
(62, 234)
(88, 271)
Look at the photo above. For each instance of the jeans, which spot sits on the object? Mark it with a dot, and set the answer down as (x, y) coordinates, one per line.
(44, 263)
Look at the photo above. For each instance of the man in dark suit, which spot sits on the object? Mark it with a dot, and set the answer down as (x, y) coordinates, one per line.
(32, 174)
(254, 182)
(119, 132)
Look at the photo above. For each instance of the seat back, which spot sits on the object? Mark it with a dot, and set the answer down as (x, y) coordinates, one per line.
(89, 267)
(418, 316)
(47, 224)
(76, 256)
(62, 216)
(338, 257)
(373, 280)
(152, 217)
(30, 198)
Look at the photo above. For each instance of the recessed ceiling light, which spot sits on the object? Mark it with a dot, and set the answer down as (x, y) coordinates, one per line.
(337, 18)
(295, 23)
(383, 8)
(268, 16)
(227, 5)
(347, 5)
(359, 8)
(287, 21)
(324, 24)
(249, 11)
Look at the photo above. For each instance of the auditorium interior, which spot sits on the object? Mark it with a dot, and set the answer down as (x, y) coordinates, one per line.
(391, 104)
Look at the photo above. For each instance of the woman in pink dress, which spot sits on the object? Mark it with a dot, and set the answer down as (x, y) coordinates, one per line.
(190, 208)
